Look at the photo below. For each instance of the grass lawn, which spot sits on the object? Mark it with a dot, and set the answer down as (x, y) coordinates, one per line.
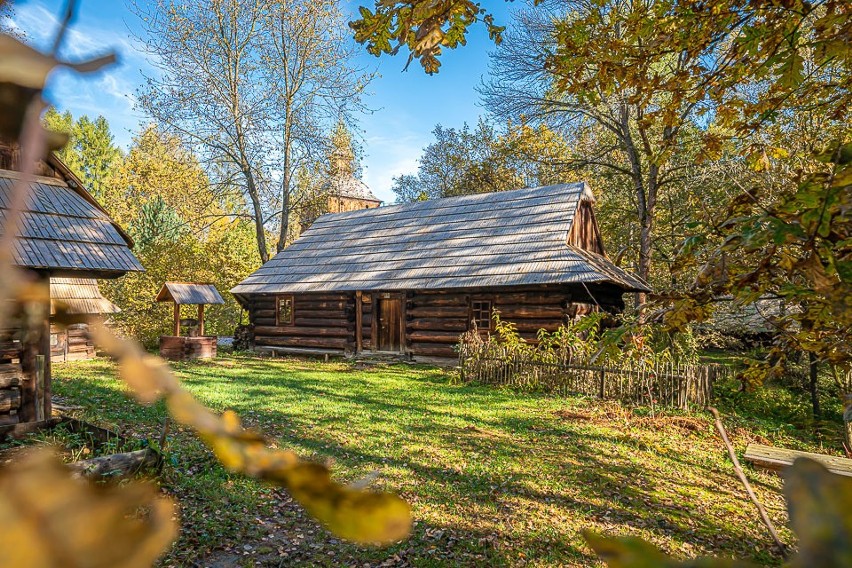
(494, 477)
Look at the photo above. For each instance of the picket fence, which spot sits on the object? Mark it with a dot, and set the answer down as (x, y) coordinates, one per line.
(664, 383)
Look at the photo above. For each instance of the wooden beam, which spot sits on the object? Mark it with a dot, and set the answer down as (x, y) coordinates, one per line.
(177, 319)
(777, 459)
(359, 316)
(374, 324)
(201, 320)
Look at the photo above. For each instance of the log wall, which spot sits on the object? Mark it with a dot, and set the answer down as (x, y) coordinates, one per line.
(320, 321)
(433, 320)
(436, 319)
(71, 344)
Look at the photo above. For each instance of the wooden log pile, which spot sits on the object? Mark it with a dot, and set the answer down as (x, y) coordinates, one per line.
(12, 382)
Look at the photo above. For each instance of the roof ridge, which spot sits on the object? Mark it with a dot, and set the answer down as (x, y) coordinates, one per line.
(581, 187)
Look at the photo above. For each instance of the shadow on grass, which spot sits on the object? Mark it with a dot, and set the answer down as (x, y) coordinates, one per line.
(494, 480)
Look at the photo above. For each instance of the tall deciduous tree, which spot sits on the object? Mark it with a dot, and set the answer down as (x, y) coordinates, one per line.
(212, 91)
(643, 70)
(309, 61)
(463, 161)
(253, 86)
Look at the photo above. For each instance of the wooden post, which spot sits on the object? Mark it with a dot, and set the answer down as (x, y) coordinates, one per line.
(201, 320)
(603, 383)
(359, 309)
(177, 319)
(42, 404)
(374, 324)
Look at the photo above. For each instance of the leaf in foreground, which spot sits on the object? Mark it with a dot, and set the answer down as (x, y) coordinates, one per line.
(820, 507)
(51, 519)
(631, 552)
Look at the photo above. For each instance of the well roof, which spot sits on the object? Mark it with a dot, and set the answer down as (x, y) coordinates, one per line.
(189, 293)
(79, 296)
(64, 230)
(511, 238)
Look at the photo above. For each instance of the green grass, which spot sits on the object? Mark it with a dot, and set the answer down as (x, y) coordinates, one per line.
(494, 477)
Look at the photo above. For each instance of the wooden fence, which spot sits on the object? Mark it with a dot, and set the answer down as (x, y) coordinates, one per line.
(665, 384)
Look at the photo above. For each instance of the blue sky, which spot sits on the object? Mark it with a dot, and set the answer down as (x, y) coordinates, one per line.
(407, 104)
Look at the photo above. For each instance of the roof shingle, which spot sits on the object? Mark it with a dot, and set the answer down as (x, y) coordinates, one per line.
(62, 230)
(509, 238)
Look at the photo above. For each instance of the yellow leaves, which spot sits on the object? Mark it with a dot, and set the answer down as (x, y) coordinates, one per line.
(820, 507)
(49, 518)
(362, 516)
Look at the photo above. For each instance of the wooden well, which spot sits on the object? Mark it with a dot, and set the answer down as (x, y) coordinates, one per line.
(195, 344)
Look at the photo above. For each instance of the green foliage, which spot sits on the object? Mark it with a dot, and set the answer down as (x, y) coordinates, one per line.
(185, 230)
(585, 339)
(467, 160)
(793, 245)
(90, 153)
(422, 26)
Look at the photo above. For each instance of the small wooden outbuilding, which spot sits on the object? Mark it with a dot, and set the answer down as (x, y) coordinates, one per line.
(409, 279)
(194, 345)
(63, 233)
(82, 302)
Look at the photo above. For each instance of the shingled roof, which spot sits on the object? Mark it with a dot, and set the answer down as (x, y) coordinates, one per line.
(79, 296)
(189, 293)
(511, 238)
(65, 231)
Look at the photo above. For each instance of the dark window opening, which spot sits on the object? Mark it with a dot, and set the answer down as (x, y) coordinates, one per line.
(480, 313)
(284, 310)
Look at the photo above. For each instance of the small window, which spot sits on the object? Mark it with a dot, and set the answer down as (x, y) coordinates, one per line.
(284, 310)
(480, 312)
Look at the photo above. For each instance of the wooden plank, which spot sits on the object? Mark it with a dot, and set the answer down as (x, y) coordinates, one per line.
(293, 331)
(321, 342)
(374, 321)
(434, 337)
(776, 459)
(10, 370)
(359, 325)
(438, 324)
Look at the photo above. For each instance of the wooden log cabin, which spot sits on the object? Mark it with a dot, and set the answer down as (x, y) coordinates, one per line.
(82, 303)
(409, 279)
(63, 233)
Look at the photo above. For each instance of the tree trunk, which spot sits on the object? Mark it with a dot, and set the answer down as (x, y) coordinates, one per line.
(259, 231)
(285, 185)
(646, 197)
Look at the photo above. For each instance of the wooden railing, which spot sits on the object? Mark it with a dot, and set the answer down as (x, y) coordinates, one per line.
(664, 384)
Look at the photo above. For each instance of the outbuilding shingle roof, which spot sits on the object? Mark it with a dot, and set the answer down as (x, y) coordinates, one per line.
(511, 238)
(64, 230)
(79, 296)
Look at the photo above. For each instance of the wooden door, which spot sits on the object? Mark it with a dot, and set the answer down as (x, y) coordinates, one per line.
(390, 324)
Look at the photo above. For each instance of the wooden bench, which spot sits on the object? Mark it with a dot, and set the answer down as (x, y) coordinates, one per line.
(776, 459)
